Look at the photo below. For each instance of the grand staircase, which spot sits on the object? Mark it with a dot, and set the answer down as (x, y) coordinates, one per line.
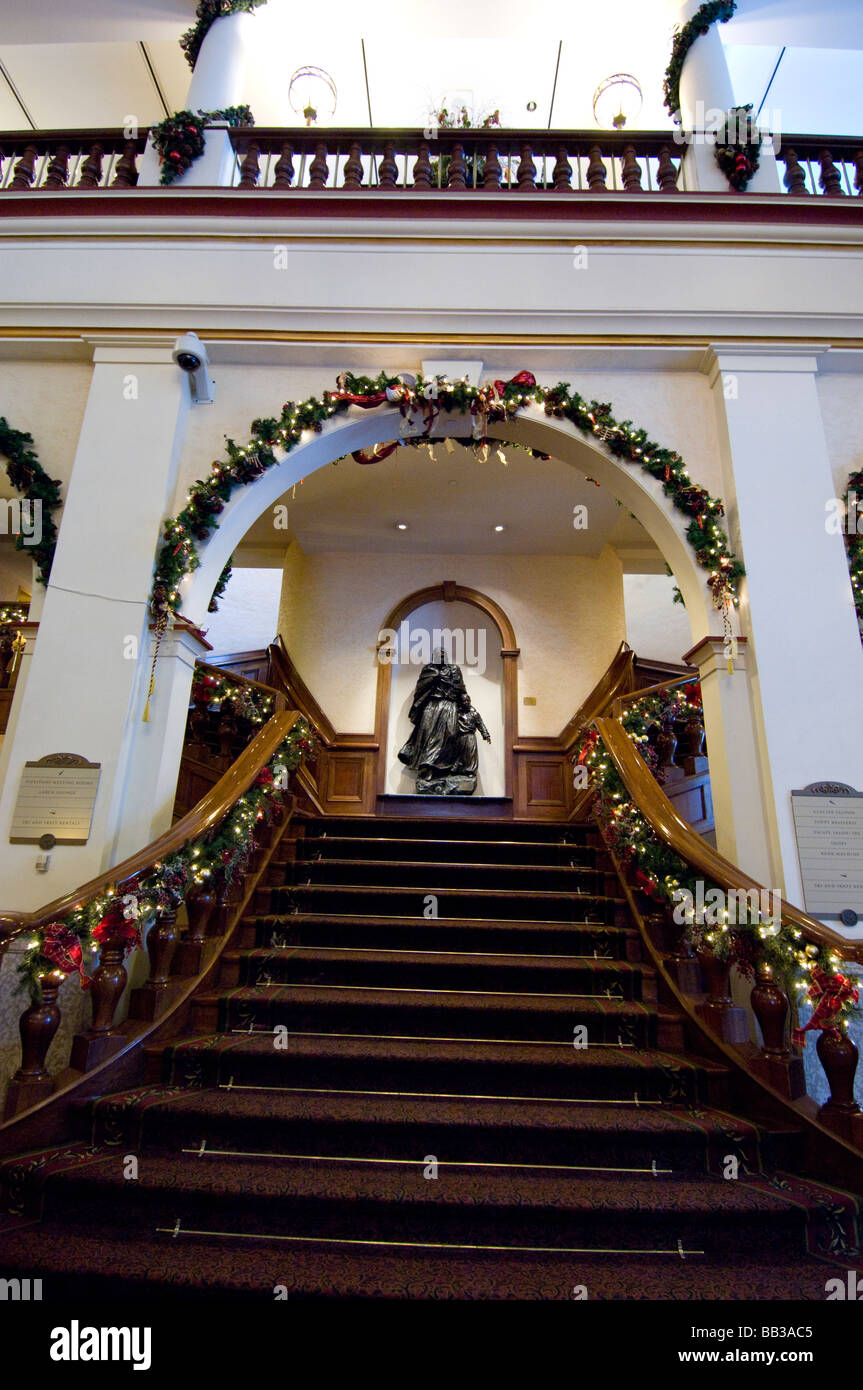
(389, 1095)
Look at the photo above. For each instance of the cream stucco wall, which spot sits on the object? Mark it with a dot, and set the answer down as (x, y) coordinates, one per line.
(567, 613)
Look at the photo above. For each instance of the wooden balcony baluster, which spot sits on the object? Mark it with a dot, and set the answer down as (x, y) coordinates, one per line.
(25, 169)
(250, 169)
(38, 1027)
(126, 172)
(562, 172)
(492, 173)
(596, 171)
(831, 179)
(667, 172)
(526, 171)
(795, 176)
(91, 169)
(354, 168)
(858, 173)
(284, 170)
(457, 176)
(319, 171)
(389, 170)
(631, 170)
(423, 169)
(58, 169)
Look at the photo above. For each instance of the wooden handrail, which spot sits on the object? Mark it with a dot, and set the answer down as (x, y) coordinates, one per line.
(611, 683)
(234, 678)
(646, 690)
(210, 810)
(660, 814)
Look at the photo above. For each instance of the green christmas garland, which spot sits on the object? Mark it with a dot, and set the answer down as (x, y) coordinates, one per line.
(179, 140)
(178, 553)
(661, 875)
(207, 13)
(854, 542)
(715, 11)
(738, 147)
(27, 475)
(120, 912)
(221, 585)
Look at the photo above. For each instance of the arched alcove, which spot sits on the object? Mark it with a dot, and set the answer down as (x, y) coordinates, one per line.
(448, 592)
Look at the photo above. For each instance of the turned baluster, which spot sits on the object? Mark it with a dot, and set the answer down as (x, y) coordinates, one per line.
(562, 172)
(858, 172)
(319, 170)
(58, 169)
(109, 981)
(492, 173)
(126, 172)
(389, 170)
(354, 168)
(839, 1056)
(25, 169)
(91, 169)
(457, 176)
(770, 1007)
(38, 1027)
(666, 744)
(631, 171)
(596, 171)
(831, 179)
(284, 170)
(162, 941)
(526, 182)
(227, 732)
(423, 169)
(667, 171)
(795, 177)
(250, 169)
(199, 909)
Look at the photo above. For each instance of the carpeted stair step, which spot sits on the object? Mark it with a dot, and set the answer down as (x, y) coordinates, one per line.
(424, 1065)
(454, 1129)
(454, 933)
(464, 877)
(444, 828)
(552, 852)
(394, 1202)
(449, 1013)
(450, 902)
(436, 970)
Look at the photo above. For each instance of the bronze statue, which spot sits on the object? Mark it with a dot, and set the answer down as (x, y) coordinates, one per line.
(442, 748)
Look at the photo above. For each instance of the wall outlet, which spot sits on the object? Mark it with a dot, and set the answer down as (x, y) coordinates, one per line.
(43, 863)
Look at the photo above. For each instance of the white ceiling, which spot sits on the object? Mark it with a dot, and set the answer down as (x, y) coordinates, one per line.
(88, 62)
(451, 505)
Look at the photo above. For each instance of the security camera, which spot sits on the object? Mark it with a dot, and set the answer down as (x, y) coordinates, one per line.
(190, 356)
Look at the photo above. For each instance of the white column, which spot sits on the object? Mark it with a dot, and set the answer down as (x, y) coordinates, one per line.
(742, 829)
(218, 81)
(83, 691)
(804, 653)
(705, 91)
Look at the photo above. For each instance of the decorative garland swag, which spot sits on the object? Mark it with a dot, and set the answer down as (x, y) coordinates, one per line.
(419, 404)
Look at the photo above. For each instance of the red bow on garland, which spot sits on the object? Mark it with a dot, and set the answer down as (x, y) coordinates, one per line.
(520, 379)
(62, 948)
(832, 991)
(116, 929)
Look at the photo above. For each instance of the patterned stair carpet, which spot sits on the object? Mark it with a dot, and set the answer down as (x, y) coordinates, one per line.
(381, 1102)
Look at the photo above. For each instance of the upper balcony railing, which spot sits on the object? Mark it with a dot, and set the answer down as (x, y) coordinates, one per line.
(482, 162)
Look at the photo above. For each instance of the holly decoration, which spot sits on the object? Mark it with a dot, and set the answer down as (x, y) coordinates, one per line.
(27, 476)
(420, 404)
(715, 11)
(119, 913)
(179, 140)
(207, 13)
(738, 146)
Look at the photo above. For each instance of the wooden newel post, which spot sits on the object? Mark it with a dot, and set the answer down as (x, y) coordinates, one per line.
(38, 1026)
(775, 1061)
(838, 1056)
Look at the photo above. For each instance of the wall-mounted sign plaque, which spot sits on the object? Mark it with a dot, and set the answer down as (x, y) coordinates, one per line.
(828, 820)
(55, 801)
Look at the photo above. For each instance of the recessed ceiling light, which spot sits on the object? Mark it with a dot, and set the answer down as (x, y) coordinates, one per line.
(401, 526)
(500, 528)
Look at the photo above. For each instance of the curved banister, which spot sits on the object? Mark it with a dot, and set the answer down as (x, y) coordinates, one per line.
(209, 812)
(617, 679)
(646, 691)
(659, 812)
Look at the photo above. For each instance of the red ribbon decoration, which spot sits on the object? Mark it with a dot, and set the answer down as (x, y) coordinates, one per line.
(832, 991)
(367, 402)
(520, 379)
(62, 948)
(380, 451)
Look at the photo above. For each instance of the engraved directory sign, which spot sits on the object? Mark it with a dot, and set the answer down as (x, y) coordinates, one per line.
(828, 820)
(55, 799)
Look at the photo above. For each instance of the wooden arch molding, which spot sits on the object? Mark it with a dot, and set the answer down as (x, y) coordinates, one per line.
(450, 592)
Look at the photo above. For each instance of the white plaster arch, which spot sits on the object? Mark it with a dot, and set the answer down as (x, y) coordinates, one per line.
(361, 429)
